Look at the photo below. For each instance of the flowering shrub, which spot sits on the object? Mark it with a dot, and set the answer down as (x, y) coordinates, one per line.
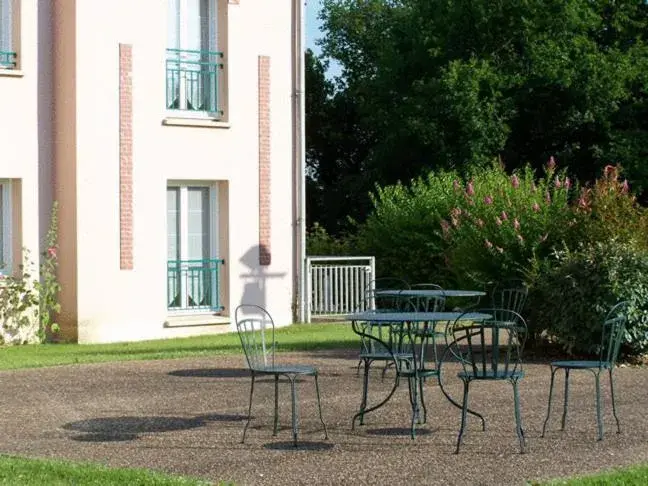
(27, 304)
(501, 223)
(461, 233)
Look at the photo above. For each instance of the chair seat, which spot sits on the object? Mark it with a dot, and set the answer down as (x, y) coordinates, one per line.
(580, 364)
(376, 356)
(491, 375)
(287, 370)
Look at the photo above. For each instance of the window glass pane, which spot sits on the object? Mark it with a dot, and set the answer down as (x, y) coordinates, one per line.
(198, 223)
(173, 24)
(173, 223)
(6, 26)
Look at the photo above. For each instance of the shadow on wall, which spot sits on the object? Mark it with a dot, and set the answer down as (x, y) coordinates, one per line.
(257, 260)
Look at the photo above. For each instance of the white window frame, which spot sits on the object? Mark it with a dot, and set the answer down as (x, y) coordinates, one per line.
(183, 227)
(7, 226)
(182, 33)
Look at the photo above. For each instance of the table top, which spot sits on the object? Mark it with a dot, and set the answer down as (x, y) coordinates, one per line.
(416, 316)
(430, 293)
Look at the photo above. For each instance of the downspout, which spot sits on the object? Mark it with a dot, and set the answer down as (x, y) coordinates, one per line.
(299, 160)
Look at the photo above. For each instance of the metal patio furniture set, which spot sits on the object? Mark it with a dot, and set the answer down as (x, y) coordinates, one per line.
(401, 332)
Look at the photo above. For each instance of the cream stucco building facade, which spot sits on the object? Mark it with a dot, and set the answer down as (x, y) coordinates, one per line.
(170, 132)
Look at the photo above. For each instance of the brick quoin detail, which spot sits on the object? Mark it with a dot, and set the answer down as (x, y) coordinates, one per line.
(264, 161)
(125, 157)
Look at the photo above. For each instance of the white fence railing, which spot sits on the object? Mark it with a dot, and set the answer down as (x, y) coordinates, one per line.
(336, 285)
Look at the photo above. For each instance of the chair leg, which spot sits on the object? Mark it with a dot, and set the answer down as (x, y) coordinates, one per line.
(518, 417)
(276, 406)
(564, 415)
(365, 386)
(413, 389)
(420, 383)
(551, 385)
(319, 407)
(249, 410)
(613, 402)
(293, 393)
(464, 410)
(599, 419)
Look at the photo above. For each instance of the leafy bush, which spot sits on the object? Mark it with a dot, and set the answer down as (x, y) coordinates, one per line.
(572, 294)
(501, 224)
(403, 232)
(462, 233)
(320, 243)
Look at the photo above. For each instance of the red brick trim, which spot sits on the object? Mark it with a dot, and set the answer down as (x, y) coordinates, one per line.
(125, 157)
(264, 161)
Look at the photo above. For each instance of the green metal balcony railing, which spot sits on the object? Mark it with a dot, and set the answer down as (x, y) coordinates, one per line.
(194, 285)
(7, 59)
(193, 80)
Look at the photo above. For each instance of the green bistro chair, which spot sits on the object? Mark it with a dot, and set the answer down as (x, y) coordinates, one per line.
(490, 350)
(257, 332)
(612, 332)
(383, 303)
(511, 295)
(428, 334)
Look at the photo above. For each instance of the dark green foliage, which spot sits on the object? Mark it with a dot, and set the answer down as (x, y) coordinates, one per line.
(573, 292)
(429, 85)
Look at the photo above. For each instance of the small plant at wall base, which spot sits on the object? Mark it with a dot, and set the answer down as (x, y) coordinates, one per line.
(27, 304)
(48, 286)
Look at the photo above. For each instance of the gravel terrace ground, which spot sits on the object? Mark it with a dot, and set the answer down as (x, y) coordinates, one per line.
(186, 416)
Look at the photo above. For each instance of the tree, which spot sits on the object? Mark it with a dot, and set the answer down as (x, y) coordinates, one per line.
(431, 84)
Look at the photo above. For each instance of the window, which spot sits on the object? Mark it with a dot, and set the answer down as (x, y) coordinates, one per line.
(192, 253)
(7, 44)
(194, 64)
(5, 228)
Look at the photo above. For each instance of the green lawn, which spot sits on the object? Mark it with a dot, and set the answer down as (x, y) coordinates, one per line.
(16, 471)
(631, 476)
(299, 337)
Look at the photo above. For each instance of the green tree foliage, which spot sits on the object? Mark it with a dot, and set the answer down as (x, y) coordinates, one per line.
(451, 84)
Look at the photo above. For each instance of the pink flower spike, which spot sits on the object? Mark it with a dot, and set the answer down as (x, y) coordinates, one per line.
(548, 197)
(51, 252)
(488, 200)
(516, 224)
(515, 181)
(504, 216)
(536, 207)
(625, 187)
(470, 190)
(557, 183)
(488, 244)
(498, 221)
(567, 183)
(551, 165)
(480, 223)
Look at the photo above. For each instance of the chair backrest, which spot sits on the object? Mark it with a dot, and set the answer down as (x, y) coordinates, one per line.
(433, 303)
(256, 330)
(511, 295)
(491, 348)
(385, 303)
(613, 331)
(392, 334)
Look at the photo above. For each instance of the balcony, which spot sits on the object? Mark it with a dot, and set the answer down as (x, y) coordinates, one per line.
(194, 81)
(194, 285)
(7, 60)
